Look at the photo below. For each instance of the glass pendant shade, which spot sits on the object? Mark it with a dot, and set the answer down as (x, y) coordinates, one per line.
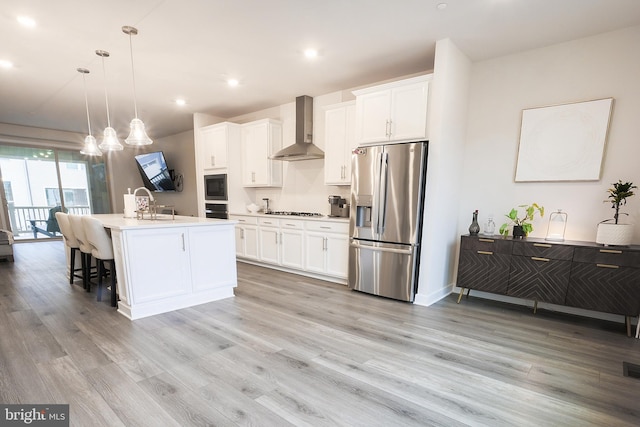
(90, 147)
(137, 136)
(110, 140)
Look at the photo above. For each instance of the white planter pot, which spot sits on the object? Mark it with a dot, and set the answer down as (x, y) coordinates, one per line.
(614, 234)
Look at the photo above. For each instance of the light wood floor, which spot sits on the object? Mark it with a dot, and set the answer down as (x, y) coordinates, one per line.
(289, 350)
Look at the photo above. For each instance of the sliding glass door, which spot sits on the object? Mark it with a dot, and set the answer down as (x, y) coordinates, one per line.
(38, 182)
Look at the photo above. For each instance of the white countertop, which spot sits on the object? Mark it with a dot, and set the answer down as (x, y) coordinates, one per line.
(119, 222)
(292, 217)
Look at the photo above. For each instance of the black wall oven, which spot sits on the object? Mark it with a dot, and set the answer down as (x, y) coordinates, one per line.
(215, 187)
(216, 210)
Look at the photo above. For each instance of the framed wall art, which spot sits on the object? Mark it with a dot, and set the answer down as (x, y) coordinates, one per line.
(563, 142)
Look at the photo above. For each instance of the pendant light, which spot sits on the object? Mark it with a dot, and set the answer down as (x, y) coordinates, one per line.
(137, 136)
(90, 146)
(110, 137)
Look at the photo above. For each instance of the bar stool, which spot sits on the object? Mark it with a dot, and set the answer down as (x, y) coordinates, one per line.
(71, 242)
(102, 251)
(85, 249)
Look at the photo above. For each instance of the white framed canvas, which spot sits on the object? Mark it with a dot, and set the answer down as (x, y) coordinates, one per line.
(563, 142)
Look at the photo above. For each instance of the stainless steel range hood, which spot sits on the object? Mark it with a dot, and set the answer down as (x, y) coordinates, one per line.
(303, 149)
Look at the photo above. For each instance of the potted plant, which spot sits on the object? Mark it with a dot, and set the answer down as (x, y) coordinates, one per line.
(521, 223)
(614, 233)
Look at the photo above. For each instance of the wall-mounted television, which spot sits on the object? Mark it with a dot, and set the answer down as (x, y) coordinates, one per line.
(154, 171)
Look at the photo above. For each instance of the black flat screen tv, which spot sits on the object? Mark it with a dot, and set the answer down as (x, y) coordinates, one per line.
(154, 171)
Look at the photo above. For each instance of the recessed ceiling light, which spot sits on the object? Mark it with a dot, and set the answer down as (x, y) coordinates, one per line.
(441, 6)
(26, 21)
(311, 53)
(180, 102)
(6, 64)
(233, 82)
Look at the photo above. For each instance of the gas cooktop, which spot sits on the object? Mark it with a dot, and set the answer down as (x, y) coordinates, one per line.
(289, 213)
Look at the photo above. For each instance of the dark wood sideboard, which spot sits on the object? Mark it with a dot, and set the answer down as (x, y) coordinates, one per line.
(571, 273)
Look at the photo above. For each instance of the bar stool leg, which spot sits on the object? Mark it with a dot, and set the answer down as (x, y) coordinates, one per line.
(114, 296)
(100, 274)
(72, 265)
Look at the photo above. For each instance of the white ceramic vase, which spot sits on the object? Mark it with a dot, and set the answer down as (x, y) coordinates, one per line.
(611, 234)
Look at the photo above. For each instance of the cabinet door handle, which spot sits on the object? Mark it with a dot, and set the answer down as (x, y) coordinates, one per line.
(213, 160)
(266, 222)
(324, 243)
(610, 251)
(242, 233)
(387, 128)
(485, 253)
(291, 225)
(607, 266)
(535, 258)
(486, 240)
(253, 177)
(325, 227)
(183, 246)
(542, 245)
(239, 220)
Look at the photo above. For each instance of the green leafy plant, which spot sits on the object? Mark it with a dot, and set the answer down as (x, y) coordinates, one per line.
(524, 221)
(618, 196)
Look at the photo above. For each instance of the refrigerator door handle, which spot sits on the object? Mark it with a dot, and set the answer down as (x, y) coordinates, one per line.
(375, 211)
(382, 198)
(381, 249)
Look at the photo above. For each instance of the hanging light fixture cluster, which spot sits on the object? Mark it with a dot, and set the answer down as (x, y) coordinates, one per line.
(138, 135)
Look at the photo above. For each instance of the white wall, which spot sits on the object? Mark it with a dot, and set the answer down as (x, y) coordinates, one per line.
(597, 67)
(446, 124)
(179, 153)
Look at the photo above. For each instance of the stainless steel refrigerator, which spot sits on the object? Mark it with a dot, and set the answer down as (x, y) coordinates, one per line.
(387, 201)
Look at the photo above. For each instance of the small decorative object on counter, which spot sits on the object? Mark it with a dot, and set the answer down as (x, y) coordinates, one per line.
(557, 226)
(616, 233)
(474, 228)
(489, 227)
(521, 225)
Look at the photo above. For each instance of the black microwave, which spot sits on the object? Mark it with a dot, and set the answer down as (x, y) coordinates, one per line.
(215, 187)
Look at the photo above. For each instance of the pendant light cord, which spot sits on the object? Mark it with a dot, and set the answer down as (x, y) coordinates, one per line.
(86, 101)
(106, 96)
(133, 75)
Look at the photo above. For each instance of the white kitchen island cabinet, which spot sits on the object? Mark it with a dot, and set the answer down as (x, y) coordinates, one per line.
(168, 264)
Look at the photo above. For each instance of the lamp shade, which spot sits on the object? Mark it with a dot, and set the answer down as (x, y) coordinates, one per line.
(110, 140)
(138, 135)
(90, 147)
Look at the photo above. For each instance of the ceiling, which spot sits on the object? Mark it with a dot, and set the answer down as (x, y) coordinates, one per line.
(189, 48)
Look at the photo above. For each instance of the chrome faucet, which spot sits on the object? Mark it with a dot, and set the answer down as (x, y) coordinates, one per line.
(152, 204)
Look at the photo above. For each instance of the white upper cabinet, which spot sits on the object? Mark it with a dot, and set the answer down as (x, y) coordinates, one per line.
(212, 150)
(260, 139)
(340, 139)
(394, 111)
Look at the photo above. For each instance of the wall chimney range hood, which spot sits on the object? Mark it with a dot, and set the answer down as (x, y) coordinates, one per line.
(303, 149)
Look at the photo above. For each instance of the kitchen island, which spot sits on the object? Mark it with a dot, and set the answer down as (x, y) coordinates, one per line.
(170, 263)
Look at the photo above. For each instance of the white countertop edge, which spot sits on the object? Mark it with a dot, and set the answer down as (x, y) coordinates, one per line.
(293, 217)
(119, 222)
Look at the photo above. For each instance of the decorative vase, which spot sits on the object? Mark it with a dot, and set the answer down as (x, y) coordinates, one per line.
(474, 228)
(610, 234)
(518, 232)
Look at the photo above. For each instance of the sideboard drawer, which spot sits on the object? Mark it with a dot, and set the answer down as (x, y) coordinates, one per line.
(543, 250)
(486, 244)
(609, 256)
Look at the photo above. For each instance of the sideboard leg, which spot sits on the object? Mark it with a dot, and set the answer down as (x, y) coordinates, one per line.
(627, 322)
(460, 295)
(535, 306)
(638, 328)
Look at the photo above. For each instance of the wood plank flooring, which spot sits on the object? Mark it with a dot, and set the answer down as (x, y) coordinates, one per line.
(290, 350)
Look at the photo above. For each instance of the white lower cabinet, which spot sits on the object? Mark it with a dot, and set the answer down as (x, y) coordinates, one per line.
(247, 237)
(292, 243)
(327, 248)
(269, 240)
(317, 247)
